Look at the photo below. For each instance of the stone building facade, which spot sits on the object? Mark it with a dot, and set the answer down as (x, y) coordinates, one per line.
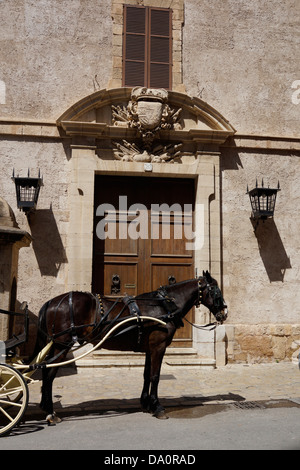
(235, 85)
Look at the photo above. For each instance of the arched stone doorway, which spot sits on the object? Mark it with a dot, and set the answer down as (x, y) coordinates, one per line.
(151, 134)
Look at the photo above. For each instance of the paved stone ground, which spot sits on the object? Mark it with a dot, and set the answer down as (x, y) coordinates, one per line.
(87, 389)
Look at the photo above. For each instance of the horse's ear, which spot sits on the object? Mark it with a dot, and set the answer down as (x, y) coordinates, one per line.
(208, 276)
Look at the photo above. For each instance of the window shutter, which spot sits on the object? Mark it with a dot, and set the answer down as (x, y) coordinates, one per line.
(147, 48)
(134, 46)
(160, 48)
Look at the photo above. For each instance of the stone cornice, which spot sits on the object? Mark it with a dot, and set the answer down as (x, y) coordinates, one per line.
(104, 131)
(49, 130)
(29, 128)
(263, 142)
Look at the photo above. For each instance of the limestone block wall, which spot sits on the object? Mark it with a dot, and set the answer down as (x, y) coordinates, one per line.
(261, 266)
(52, 54)
(242, 58)
(41, 273)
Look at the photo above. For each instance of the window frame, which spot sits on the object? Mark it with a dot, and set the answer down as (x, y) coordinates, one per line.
(147, 53)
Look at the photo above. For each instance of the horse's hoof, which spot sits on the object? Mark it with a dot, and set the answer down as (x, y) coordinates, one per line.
(53, 419)
(161, 415)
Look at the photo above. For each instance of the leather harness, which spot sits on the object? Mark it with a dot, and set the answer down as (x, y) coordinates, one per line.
(172, 314)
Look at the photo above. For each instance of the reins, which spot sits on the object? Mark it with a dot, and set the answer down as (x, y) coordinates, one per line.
(207, 327)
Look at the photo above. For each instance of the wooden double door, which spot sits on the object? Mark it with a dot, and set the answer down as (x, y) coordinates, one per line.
(142, 231)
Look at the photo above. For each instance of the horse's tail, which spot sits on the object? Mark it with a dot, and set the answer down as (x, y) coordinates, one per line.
(41, 337)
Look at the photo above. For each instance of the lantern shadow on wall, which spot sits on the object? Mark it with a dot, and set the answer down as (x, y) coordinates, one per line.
(271, 248)
(47, 243)
(46, 240)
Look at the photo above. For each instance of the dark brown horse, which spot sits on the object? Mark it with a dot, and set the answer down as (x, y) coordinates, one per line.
(86, 318)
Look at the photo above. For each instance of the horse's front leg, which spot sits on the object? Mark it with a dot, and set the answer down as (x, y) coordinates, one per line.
(46, 403)
(46, 400)
(145, 398)
(155, 407)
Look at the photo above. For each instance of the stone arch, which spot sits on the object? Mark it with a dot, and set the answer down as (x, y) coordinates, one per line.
(103, 126)
(95, 110)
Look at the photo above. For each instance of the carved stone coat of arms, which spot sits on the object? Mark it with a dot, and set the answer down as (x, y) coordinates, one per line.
(148, 112)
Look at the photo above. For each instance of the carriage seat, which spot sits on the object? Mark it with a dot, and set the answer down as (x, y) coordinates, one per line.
(16, 340)
(12, 343)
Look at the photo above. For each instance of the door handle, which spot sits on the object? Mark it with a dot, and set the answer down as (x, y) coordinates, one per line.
(115, 284)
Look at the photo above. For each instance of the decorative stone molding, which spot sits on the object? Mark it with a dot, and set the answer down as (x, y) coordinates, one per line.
(161, 153)
(148, 111)
(146, 125)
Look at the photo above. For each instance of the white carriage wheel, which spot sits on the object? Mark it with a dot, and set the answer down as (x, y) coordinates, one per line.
(12, 385)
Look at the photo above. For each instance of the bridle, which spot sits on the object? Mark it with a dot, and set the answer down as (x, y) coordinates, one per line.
(199, 299)
(214, 292)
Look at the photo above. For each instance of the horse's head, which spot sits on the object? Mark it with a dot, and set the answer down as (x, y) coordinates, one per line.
(211, 296)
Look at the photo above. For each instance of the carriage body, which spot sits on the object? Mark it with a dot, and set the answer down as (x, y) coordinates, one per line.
(13, 385)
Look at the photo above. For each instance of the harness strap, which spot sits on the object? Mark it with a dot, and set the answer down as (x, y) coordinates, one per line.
(73, 329)
(174, 313)
(167, 302)
(130, 302)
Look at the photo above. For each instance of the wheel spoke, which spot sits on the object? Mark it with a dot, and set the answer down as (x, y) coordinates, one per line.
(6, 414)
(4, 386)
(11, 403)
(11, 391)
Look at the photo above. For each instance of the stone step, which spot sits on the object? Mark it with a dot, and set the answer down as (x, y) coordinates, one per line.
(173, 357)
(196, 362)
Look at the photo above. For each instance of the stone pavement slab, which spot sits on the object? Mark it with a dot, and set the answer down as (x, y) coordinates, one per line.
(88, 389)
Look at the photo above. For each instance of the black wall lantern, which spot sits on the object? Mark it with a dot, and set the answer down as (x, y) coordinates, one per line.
(27, 191)
(263, 201)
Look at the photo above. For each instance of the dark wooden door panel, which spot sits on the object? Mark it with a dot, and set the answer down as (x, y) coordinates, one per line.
(158, 253)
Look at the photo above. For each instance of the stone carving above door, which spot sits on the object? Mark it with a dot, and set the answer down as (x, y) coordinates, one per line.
(145, 125)
(130, 152)
(148, 112)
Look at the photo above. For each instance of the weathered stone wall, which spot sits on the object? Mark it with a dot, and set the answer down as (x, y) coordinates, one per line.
(52, 54)
(261, 264)
(261, 267)
(42, 264)
(263, 343)
(241, 57)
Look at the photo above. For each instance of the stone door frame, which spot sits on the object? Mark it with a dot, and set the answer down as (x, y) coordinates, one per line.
(89, 124)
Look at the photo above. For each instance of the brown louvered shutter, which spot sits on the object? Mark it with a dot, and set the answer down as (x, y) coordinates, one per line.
(160, 49)
(147, 47)
(134, 46)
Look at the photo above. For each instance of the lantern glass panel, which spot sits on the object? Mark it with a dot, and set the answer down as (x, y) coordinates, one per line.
(27, 193)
